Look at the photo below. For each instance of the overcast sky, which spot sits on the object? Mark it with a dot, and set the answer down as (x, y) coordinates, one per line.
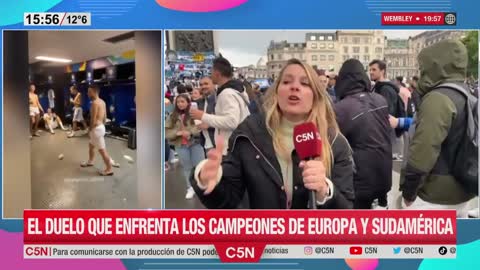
(244, 48)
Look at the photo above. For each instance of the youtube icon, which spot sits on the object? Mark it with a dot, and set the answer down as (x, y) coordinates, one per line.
(356, 250)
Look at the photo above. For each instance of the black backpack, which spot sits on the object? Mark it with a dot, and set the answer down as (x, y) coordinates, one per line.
(465, 168)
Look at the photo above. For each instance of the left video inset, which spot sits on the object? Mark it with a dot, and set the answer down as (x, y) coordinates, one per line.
(70, 121)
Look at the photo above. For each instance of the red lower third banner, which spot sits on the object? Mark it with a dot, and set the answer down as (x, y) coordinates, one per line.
(239, 235)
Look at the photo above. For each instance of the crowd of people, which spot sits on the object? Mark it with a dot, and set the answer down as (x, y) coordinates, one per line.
(235, 141)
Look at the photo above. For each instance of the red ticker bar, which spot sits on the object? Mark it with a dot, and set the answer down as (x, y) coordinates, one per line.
(413, 18)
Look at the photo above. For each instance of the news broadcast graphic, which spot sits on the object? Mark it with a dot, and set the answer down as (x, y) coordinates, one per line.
(244, 236)
(419, 18)
(57, 19)
(142, 52)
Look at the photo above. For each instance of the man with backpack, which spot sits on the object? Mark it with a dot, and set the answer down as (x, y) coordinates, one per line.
(441, 170)
(396, 106)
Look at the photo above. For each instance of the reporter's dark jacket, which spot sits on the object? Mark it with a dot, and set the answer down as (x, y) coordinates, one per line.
(363, 118)
(251, 165)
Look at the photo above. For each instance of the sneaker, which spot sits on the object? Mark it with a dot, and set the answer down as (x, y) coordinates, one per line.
(71, 135)
(397, 157)
(474, 213)
(190, 193)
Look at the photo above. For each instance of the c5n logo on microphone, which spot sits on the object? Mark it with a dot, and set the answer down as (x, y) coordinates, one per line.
(307, 137)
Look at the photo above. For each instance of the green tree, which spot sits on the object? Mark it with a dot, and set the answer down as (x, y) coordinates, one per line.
(471, 42)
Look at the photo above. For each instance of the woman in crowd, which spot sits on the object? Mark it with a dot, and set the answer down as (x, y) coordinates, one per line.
(197, 95)
(181, 131)
(261, 159)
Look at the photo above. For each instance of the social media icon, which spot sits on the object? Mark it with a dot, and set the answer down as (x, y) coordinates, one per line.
(442, 250)
(318, 250)
(396, 250)
(308, 250)
(453, 250)
(356, 250)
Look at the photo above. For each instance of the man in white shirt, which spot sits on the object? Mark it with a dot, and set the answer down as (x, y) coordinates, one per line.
(232, 102)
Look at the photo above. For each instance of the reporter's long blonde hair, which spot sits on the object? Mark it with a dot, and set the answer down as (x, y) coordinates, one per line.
(322, 114)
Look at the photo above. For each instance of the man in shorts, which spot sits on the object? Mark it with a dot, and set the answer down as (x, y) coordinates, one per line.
(52, 121)
(98, 116)
(35, 109)
(77, 111)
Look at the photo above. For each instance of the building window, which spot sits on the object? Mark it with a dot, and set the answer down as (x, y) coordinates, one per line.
(345, 49)
(356, 56)
(313, 38)
(330, 38)
(344, 40)
(356, 49)
(366, 58)
(314, 45)
(322, 45)
(331, 57)
(322, 37)
(379, 40)
(345, 57)
(279, 56)
(314, 58)
(273, 66)
(356, 40)
(367, 49)
(367, 40)
(271, 57)
(330, 46)
(323, 57)
(378, 50)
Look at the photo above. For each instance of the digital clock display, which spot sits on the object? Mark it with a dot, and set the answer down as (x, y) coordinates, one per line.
(57, 19)
(432, 18)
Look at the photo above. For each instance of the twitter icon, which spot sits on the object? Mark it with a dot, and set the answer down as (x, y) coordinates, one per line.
(396, 250)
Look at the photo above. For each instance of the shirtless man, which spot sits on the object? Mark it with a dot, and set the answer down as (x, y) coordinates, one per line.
(35, 109)
(52, 121)
(98, 116)
(77, 111)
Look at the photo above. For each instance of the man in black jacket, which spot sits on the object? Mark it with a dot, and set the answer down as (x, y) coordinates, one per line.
(385, 88)
(363, 118)
(208, 106)
(390, 92)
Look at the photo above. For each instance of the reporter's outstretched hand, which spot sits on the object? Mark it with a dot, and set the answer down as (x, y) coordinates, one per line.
(209, 172)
